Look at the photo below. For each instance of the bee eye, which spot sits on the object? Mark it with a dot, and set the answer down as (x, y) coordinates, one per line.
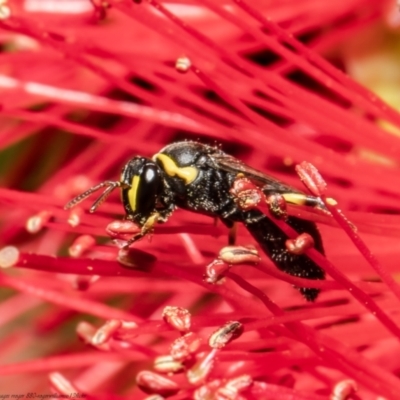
(148, 189)
(142, 179)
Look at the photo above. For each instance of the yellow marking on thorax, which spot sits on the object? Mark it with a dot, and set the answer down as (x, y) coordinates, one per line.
(295, 198)
(188, 174)
(132, 192)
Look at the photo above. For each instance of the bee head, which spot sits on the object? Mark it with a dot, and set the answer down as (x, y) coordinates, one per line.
(141, 184)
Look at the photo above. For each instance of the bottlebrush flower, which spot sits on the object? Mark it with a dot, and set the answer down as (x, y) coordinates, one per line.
(87, 85)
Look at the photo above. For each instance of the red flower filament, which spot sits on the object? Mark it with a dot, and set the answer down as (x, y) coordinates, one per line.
(87, 85)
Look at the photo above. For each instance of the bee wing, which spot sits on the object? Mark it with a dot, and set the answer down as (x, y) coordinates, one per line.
(311, 207)
(267, 183)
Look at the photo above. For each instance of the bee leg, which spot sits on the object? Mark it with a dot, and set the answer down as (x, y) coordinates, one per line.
(232, 234)
(147, 228)
(232, 230)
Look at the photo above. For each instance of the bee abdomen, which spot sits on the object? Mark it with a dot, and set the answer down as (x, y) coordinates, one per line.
(273, 242)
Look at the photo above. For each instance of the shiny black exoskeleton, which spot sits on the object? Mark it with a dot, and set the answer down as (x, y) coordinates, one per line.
(198, 178)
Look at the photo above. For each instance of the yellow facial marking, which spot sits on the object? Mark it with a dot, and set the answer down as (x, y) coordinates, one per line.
(132, 193)
(188, 174)
(295, 198)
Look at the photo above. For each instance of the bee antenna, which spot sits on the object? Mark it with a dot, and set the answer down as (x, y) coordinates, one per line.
(110, 186)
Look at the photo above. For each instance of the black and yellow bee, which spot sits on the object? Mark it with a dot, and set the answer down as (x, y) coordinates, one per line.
(199, 178)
